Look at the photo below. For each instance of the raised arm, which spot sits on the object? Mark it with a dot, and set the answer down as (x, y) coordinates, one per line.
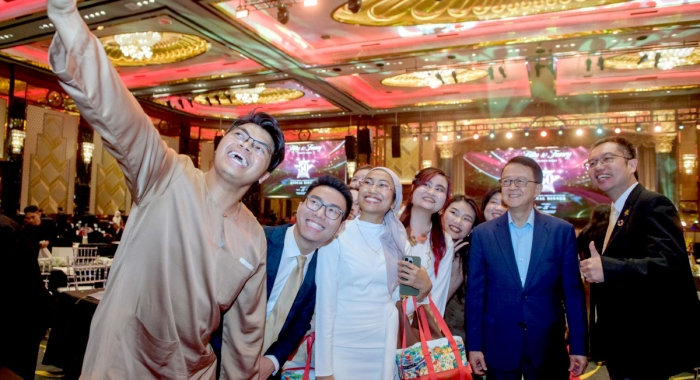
(79, 60)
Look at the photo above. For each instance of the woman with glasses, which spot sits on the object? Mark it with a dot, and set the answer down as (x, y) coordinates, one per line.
(356, 320)
(460, 217)
(492, 205)
(426, 237)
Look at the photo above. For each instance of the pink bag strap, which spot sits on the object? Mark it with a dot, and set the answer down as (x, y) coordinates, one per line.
(309, 351)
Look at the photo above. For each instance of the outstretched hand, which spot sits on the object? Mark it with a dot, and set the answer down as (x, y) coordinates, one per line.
(60, 7)
(592, 269)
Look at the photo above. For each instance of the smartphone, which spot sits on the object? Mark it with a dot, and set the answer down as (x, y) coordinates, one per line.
(406, 290)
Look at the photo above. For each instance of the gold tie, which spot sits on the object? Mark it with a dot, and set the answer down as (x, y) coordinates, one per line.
(279, 312)
(611, 225)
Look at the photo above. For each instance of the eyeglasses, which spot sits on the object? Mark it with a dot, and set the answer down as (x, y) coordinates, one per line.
(605, 160)
(259, 148)
(382, 185)
(519, 182)
(315, 203)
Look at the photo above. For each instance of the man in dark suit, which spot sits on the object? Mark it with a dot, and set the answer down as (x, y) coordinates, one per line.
(40, 231)
(642, 283)
(523, 288)
(291, 253)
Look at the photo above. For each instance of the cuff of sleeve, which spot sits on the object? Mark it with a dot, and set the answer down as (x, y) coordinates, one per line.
(275, 362)
(63, 60)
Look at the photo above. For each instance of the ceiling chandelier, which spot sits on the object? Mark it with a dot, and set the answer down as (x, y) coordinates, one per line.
(137, 45)
(671, 58)
(249, 95)
(434, 78)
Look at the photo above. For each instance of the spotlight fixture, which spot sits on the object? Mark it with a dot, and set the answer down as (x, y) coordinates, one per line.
(490, 71)
(454, 76)
(588, 64)
(618, 130)
(639, 127)
(579, 132)
(282, 13)
(680, 126)
(208, 100)
(599, 130)
(538, 68)
(503, 72)
(179, 101)
(189, 100)
(444, 137)
(509, 135)
(218, 100)
(439, 77)
(459, 135)
(354, 5)
(492, 134)
(643, 57)
(476, 136)
(170, 105)
(415, 137)
(527, 132)
(657, 128)
(426, 137)
(543, 133)
(697, 123)
(601, 63)
(242, 12)
(657, 59)
(561, 130)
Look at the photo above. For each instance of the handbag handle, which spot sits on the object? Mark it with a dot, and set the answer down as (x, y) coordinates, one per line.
(309, 350)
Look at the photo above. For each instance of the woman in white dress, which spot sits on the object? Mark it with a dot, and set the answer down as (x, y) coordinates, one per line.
(356, 319)
(426, 237)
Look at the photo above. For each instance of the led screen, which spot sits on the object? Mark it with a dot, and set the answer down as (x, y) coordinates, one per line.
(303, 163)
(567, 192)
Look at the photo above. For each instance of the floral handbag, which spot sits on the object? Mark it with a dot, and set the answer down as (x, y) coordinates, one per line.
(446, 355)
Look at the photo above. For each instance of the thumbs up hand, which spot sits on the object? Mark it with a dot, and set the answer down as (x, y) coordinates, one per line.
(592, 269)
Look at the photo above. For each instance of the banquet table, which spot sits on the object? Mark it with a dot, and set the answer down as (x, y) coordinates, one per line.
(70, 329)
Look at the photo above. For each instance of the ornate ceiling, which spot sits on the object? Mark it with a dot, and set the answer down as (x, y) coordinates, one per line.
(392, 56)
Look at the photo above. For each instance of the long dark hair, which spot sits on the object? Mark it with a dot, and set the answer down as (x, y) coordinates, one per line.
(437, 235)
(463, 252)
(487, 197)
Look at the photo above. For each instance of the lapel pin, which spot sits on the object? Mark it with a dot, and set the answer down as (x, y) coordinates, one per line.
(627, 213)
(620, 223)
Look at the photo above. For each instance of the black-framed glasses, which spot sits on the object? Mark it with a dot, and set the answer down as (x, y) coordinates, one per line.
(315, 203)
(259, 148)
(519, 182)
(381, 185)
(605, 160)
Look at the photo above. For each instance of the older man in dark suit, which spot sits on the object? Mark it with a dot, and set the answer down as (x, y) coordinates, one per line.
(291, 270)
(642, 284)
(524, 287)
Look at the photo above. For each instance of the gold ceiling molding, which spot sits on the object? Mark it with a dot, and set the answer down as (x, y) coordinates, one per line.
(269, 95)
(630, 61)
(425, 78)
(629, 90)
(444, 102)
(420, 12)
(172, 47)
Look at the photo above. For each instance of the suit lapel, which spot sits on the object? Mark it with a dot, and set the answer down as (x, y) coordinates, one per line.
(540, 234)
(275, 247)
(505, 245)
(623, 219)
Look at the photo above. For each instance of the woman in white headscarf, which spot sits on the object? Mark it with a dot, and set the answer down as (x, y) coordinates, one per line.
(356, 319)
(117, 222)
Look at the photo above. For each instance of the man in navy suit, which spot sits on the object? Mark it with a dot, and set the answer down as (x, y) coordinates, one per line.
(325, 206)
(642, 283)
(523, 287)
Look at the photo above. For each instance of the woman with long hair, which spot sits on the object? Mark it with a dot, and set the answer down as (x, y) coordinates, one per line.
(461, 215)
(426, 236)
(492, 205)
(356, 319)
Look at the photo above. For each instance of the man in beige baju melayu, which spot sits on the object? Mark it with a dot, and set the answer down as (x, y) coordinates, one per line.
(190, 251)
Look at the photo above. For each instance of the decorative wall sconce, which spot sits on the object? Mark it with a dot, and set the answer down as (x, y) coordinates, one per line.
(352, 165)
(17, 137)
(87, 149)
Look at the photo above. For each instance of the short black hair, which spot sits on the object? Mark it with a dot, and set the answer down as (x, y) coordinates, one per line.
(337, 184)
(628, 149)
(270, 125)
(31, 208)
(530, 163)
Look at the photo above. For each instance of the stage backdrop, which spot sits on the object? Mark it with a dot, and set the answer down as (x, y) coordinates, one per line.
(303, 163)
(567, 192)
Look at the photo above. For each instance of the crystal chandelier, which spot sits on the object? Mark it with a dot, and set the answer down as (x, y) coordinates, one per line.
(137, 45)
(17, 137)
(671, 58)
(87, 148)
(249, 95)
(433, 78)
